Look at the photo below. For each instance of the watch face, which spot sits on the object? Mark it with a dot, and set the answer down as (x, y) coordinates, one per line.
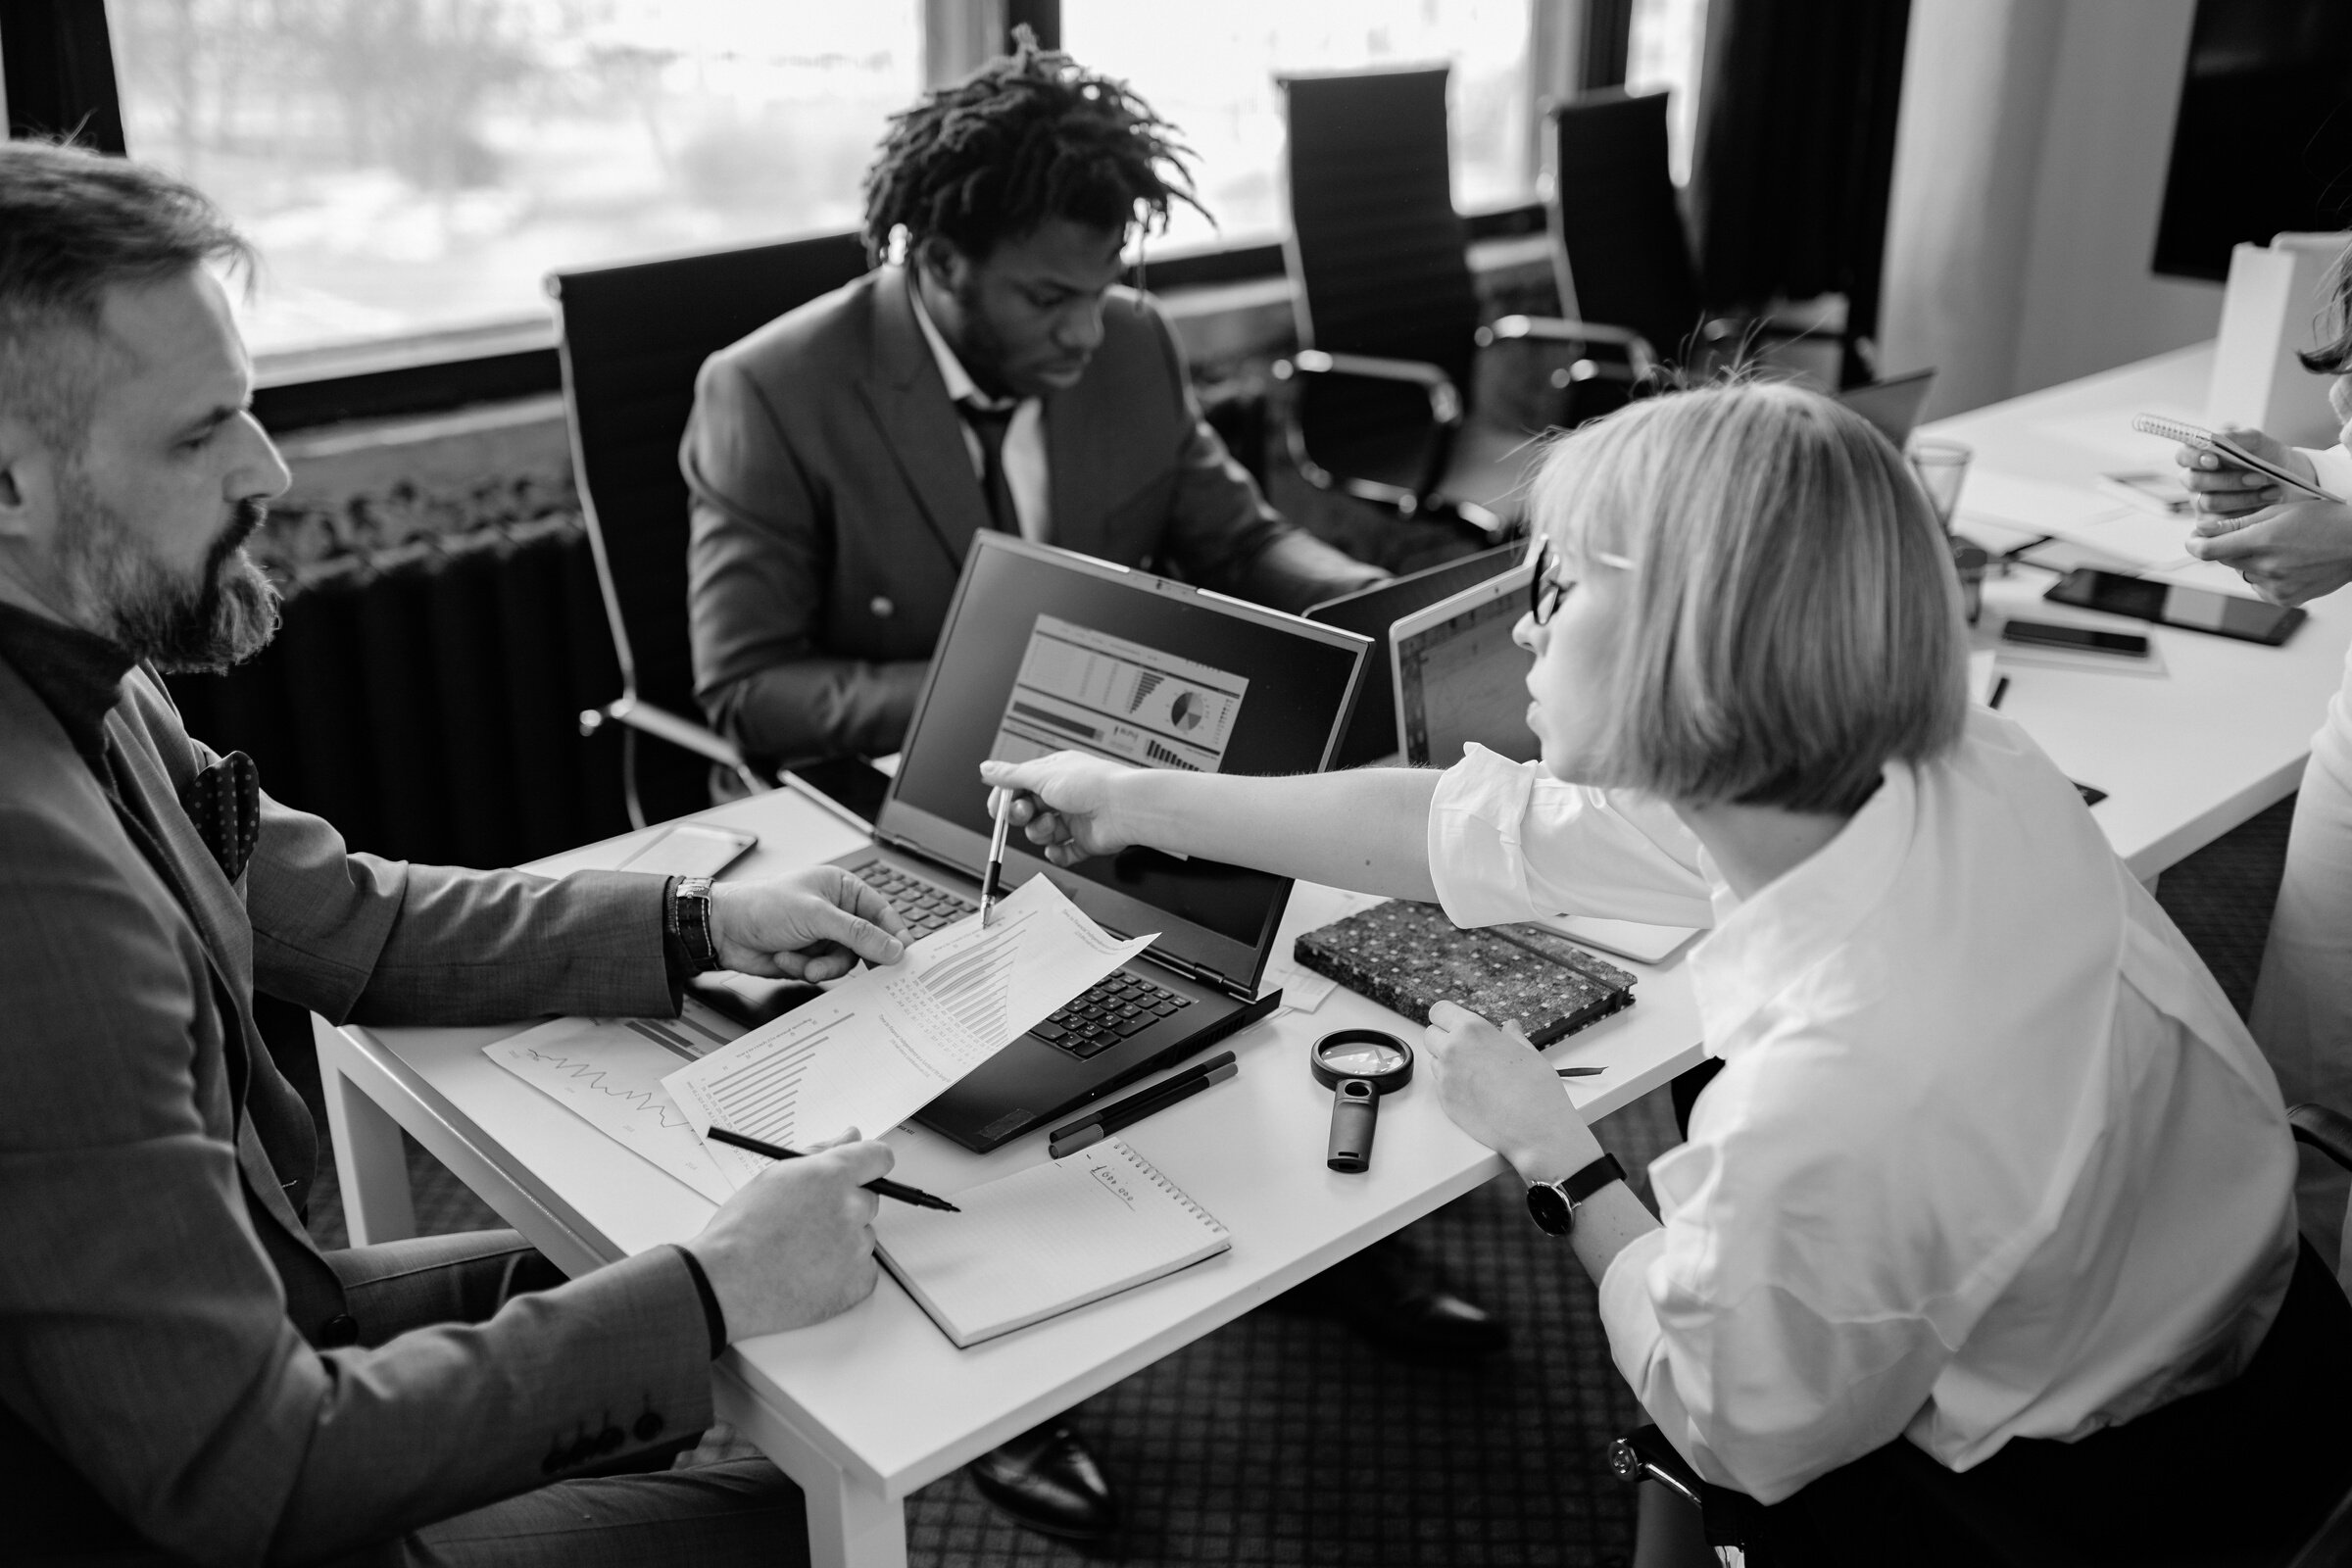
(1550, 1210)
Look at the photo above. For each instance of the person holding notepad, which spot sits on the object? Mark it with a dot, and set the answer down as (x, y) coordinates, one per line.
(1984, 1230)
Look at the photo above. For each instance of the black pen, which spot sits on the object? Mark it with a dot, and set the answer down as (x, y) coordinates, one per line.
(1579, 1072)
(992, 886)
(1095, 1126)
(882, 1185)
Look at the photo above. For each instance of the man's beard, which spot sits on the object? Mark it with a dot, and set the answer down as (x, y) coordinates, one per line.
(223, 618)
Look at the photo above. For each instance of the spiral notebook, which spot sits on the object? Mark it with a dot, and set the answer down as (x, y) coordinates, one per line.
(1044, 1241)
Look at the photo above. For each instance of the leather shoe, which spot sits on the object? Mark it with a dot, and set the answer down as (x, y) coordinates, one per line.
(1390, 1297)
(1046, 1479)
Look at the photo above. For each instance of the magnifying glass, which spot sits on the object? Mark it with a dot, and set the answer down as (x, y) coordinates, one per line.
(1358, 1066)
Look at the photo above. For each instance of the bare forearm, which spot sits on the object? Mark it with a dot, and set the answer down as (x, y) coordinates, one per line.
(1367, 830)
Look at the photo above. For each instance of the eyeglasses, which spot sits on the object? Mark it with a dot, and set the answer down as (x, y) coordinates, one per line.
(1545, 592)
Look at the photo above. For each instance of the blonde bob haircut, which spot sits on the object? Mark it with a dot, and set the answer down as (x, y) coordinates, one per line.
(1794, 622)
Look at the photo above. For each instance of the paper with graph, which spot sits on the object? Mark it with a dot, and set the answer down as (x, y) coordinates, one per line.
(609, 1071)
(885, 1043)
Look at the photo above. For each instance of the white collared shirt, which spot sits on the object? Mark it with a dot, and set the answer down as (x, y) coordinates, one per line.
(1990, 1155)
(1025, 472)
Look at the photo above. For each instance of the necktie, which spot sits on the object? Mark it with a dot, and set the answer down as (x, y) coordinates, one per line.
(225, 805)
(990, 425)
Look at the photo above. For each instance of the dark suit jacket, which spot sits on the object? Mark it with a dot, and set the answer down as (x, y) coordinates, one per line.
(834, 500)
(160, 1298)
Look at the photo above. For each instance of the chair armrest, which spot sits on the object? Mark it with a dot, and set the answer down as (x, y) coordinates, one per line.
(1444, 398)
(635, 714)
(1639, 356)
(2327, 1130)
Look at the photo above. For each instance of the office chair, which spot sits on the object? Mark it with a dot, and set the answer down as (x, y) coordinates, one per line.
(1646, 1456)
(1387, 312)
(635, 337)
(1620, 252)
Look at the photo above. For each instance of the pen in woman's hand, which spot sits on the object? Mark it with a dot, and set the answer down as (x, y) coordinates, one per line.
(992, 886)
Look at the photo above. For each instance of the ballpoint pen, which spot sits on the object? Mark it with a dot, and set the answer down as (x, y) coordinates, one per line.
(992, 886)
(882, 1185)
(1100, 1124)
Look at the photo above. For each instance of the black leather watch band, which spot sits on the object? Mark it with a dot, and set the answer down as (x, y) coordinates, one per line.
(690, 913)
(1552, 1205)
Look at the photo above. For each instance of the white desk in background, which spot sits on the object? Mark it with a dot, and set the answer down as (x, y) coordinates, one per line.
(864, 1409)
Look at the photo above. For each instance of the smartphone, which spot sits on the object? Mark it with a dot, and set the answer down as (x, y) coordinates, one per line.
(691, 848)
(2221, 445)
(2080, 639)
(2170, 604)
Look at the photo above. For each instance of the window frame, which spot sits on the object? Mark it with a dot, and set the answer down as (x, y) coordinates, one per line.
(56, 72)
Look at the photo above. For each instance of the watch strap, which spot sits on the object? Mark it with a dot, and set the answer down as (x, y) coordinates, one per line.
(690, 906)
(1592, 1179)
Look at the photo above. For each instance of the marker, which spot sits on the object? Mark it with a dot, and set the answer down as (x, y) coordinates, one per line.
(992, 886)
(1090, 1130)
(882, 1185)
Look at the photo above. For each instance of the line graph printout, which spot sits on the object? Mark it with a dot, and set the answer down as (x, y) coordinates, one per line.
(608, 1072)
(1088, 690)
(885, 1043)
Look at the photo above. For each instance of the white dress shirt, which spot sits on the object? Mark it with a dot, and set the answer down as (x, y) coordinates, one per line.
(1025, 474)
(1989, 1154)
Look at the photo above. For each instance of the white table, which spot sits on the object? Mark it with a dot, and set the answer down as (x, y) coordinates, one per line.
(866, 1408)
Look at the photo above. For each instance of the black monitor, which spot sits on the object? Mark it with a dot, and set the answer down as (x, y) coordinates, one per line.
(1045, 649)
(1370, 612)
(2262, 144)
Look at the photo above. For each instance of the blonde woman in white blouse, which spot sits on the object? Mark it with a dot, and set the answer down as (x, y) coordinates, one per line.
(1991, 1179)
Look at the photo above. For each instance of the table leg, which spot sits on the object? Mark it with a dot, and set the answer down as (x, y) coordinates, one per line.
(852, 1522)
(369, 1161)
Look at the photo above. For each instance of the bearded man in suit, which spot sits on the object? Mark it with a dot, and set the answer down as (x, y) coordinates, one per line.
(186, 1376)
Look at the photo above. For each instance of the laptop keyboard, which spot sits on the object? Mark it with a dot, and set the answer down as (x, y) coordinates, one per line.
(1106, 1012)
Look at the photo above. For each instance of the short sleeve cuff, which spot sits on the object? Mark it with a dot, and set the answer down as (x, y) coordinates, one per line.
(1474, 852)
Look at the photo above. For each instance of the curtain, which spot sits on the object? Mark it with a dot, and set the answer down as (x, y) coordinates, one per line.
(1796, 151)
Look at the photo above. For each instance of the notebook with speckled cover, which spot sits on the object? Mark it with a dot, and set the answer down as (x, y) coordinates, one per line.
(1408, 956)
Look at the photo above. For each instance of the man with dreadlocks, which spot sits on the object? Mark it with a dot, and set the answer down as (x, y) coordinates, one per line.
(994, 376)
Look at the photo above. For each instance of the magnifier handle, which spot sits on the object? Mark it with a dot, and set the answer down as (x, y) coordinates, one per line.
(1354, 1113)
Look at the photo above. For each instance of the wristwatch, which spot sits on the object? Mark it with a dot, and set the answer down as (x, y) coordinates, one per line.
(1552, 1204)
(689, 921)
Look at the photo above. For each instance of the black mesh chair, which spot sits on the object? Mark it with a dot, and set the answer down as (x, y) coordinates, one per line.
(1645, 1454)
(1388, 315)
(635, 335)
(1620, 251)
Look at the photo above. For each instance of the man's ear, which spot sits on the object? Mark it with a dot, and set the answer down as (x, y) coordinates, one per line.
(23, 479)
(945, 264)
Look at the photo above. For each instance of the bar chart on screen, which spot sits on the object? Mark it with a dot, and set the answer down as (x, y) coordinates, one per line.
(885, 1043)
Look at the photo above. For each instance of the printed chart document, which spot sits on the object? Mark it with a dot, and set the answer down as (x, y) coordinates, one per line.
(885, 1043)
(609, 1071)
(1043, 1241)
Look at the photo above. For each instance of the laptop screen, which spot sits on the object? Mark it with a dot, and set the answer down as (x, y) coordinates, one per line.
(1044, 650)
(1461, 678)
(1369, 612)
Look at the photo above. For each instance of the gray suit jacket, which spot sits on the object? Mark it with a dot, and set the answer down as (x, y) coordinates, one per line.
(834, 501)
(160, 1299)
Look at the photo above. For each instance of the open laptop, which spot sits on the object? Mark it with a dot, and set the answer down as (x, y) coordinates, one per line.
(1461, 678)
(1371, 734)
(1893, 405)
(1044, 650)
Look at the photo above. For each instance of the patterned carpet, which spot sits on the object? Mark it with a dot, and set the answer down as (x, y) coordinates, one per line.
(1284, 1439)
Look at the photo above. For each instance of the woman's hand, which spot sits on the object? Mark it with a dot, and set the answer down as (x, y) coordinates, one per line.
(1496, 1089)
(2290, 554)
(2223, 489)
(1068, 804)
(807, 925)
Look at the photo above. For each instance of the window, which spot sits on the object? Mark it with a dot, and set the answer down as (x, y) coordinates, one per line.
(1208, 66)
(1667, 49)
(413, 165)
